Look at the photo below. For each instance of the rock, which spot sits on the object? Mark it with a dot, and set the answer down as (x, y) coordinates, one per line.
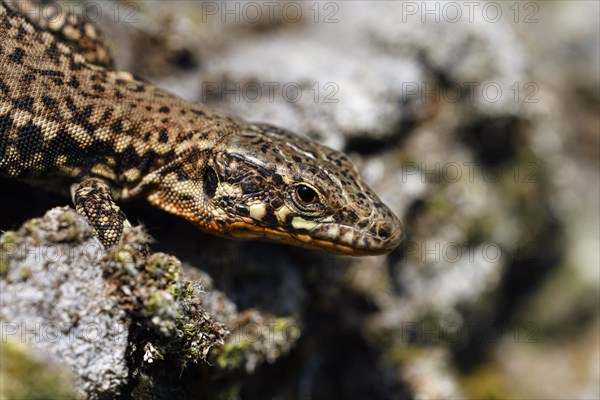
(69, 298)
(54, 296)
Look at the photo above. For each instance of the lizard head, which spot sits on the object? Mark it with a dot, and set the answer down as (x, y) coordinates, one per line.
(266, 183)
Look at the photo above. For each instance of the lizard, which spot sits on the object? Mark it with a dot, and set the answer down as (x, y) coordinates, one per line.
(67, 115)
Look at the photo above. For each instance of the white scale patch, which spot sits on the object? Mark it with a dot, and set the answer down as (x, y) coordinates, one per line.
(257, 211)
(333, 231)
(347, 237)
(282, 213)
(301, 223)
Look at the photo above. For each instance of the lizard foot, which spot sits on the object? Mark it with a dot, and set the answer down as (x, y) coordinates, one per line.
(94, 200)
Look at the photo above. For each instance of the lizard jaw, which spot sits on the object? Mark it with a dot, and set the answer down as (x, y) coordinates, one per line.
(331, 237)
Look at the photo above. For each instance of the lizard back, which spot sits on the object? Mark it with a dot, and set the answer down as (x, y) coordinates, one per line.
(63, 116)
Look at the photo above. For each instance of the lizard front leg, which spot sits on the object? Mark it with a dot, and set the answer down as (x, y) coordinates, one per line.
(94, 200)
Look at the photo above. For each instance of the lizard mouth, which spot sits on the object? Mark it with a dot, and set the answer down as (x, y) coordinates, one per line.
(385, 236)
(382, 238)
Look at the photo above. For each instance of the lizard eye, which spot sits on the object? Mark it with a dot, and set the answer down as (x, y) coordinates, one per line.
(306, 194)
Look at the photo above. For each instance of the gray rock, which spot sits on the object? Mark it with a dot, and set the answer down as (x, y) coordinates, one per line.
(54, 297)
(64, 295)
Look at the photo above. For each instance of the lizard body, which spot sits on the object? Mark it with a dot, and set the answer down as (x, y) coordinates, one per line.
(65, 113)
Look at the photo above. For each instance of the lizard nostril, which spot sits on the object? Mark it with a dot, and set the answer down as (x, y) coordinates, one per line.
(384, 229)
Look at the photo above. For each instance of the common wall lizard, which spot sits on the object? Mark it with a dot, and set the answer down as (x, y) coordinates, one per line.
(66, 114)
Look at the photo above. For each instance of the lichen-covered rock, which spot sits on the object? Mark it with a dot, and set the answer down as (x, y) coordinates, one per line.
(55, 298)
(96, 311)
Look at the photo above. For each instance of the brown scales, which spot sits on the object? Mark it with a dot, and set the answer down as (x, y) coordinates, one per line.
(65, 113)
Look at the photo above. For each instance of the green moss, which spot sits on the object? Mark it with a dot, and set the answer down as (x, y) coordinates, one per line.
(189, 329)
(23, 376)
(24, 273)
(4, 266)
(31, 226)
(124, 256)
(68, 217)
(404, 354)
(164, 266)
(232, 354)
(197, 338)
(183, 292)
(439, 205)
(179, 329)
(73, 233)
(155, 302)
(7, 247)
(487, 382)
(8, 237)
(282, 325)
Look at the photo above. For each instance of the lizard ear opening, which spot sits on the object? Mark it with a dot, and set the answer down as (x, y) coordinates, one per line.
(210, 182)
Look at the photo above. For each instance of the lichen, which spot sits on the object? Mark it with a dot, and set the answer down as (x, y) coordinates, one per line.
(179, 328)
(258, 338)
(122, 292)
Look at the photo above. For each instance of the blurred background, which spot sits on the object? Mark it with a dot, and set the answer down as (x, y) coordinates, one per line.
(476, 122)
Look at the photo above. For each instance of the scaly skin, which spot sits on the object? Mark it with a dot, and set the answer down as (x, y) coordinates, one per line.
(64, 113)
